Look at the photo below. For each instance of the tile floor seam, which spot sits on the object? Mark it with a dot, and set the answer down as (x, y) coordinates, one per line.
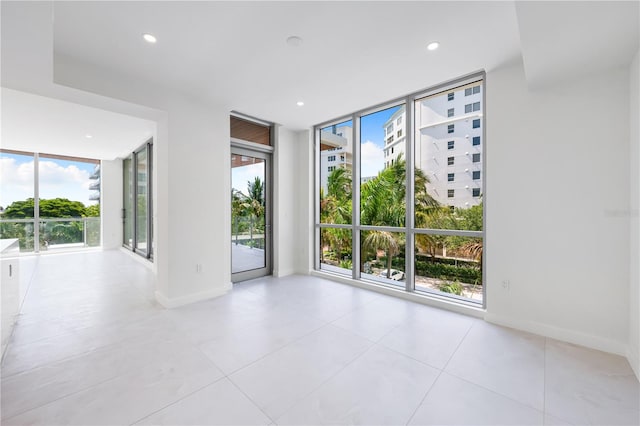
(178, 400)
(408, 356)
(54, 336)
(424, 397)
(275, 350)
(352, 311)
(453, 353)
(250, 399)
(64, 359)
(392, 330)
(494, 392)
(322, 383)
(62, 397)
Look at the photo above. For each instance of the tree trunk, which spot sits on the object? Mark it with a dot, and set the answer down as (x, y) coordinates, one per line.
(388, 263)
(235, 220)
(251, 232)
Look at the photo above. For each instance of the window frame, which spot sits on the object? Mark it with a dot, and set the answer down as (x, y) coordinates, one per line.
(147, 148)
(478, 79)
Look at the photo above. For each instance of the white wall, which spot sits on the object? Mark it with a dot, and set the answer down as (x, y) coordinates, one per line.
(556, 202)
(192, 206)
(634, 271)
(306, 191)
(286, 200)
(199, 206)
(111, 203)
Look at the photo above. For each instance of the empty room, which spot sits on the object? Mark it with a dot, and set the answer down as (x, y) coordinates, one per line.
(320, 212)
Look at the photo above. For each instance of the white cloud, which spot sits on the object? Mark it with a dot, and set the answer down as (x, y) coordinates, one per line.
(55, 181)
(17, 181)
(241, 175)
(371, 159)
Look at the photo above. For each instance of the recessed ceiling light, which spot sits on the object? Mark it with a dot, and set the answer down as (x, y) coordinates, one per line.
(300, 103)
(88, 136)
(150, 38)
(433, 45)
(294, 41)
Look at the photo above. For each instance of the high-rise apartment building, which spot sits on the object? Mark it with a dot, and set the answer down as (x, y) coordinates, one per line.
(336, 151)
(449, 144)
(394, 137)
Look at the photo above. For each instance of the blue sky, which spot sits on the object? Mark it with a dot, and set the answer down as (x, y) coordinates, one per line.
(372, 141)
(58, 178)
(372, 126)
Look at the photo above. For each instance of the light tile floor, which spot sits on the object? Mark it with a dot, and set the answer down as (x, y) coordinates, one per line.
(92, 347)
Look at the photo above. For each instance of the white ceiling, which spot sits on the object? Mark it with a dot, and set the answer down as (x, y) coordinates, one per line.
(41, 124)
(353, 55)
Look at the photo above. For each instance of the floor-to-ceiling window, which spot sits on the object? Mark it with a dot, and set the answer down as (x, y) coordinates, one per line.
(49, 202)
(414, 220)
(138, 201)
(335, 159)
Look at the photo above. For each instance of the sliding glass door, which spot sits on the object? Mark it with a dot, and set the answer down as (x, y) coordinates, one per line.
(250, 213)
(137, 202)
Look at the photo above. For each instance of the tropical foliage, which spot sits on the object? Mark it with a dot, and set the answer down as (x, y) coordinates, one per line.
(383, 204)
(248, 212)
(51, 232)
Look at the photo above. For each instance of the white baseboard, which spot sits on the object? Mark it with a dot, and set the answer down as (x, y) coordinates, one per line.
(175, 302)
(633, 356)
(283, 272)
(140, 259)
(563, 334)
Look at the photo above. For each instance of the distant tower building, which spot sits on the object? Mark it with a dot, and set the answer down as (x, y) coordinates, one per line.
(394, 137)
(335, 151)
(95, 185)
(449, 144)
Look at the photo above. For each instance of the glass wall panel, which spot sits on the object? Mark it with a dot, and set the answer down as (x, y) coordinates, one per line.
(335, 250)
(383, 257)
(67, 194)
(447, 183)
(449, 265)
(16, 198)
(448, 159)
(336, 165)
(68, 188)
(128, 210)
(138, 201)
(142, 174)
(383, 167)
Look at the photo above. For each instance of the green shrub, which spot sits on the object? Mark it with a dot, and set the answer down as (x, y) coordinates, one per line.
(453, 288)
(464, 274)
(346, 264)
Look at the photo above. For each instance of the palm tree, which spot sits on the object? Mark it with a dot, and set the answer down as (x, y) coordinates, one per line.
(253, 202)
(386, 241)
(383, 203)
(237, 209)
(335, 207)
